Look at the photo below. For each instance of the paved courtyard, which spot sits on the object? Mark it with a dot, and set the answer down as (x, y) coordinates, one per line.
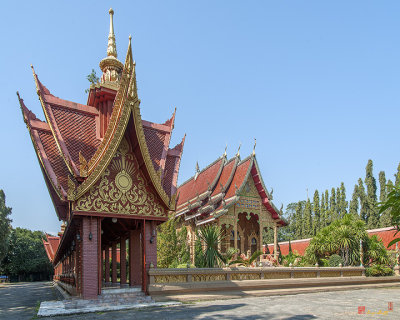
(19, 301)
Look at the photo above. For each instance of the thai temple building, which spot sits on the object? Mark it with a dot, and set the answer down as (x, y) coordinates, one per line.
(112, 178)
(229, 193)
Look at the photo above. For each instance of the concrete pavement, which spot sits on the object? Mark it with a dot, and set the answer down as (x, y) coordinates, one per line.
(20, 300)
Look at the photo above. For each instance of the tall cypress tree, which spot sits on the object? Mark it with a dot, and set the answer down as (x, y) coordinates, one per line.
(307, 223)
(323, 212)
(299, 220)
(332, 207)
(373, 214)
(389, 186)
(317, 213)
(338, 211)
(384, 219)
(343, 203)
(363, 201)
(354, 201)
(397, 175)
(327, 208)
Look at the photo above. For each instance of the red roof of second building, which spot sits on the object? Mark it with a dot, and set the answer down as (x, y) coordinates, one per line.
(200, 183)
(239, 178)
(226, 174)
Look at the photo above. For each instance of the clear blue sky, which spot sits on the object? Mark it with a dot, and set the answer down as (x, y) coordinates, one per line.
(316, 82)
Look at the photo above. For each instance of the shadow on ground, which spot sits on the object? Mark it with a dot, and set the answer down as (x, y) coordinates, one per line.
(187, 311)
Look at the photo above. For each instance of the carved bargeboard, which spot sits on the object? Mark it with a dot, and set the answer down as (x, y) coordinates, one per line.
(122, 189)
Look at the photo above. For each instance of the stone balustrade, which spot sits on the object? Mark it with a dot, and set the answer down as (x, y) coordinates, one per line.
(189, 279)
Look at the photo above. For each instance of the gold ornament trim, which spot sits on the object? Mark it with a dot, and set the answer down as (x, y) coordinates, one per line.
(122, 189)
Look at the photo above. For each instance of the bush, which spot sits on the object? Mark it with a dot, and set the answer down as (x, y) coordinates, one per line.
(378, 270)
(334, 260)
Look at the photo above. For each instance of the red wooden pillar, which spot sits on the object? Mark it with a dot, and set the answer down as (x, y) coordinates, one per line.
(149, 248)
(134, 258)
(107, 264)
(123, 261)
(89, 258)
(143, 237)
(99, 257)
(114, 263)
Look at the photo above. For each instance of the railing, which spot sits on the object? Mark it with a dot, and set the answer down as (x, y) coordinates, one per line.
(237, 274)
(163, 280)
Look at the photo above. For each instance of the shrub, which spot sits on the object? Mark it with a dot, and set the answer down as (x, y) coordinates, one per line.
(378, 270)
(334, 260)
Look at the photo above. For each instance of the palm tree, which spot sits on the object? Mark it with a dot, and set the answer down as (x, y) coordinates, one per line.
(211, 236)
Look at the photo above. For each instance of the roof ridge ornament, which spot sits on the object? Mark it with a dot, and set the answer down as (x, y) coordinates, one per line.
(238, 152)
(111, 66)
(226, 147)
(112, 47)
(254, 148)
(197, 170)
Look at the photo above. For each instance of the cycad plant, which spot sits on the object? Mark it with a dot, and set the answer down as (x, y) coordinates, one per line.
(211, 236)
(229, 255)
(246, 262)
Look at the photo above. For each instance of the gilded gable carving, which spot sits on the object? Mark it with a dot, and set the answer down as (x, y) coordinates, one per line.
(122, 189)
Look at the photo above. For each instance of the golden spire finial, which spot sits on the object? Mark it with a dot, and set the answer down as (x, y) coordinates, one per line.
(112, 47)
(111, 66)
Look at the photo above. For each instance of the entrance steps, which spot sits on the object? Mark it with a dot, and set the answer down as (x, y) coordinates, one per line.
(129, 295)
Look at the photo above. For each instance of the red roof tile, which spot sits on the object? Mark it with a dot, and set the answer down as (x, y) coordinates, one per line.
(225, 175)
(239, 178)
(155, 143)
(56, 161)
(78, 130)
(189, 189)
(51, 246)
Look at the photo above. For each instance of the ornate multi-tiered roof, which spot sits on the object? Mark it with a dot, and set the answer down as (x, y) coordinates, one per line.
(208, 195)
(76, 142)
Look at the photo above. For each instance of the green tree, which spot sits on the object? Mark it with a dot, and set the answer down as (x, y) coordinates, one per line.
(373, 215)
(342, 202)
(323, 222)
(307, 220)
(5, 225)
(393, 204)
(317, 213)
(332, 207)
(26, 255)
(338, 212)
(397, 175)
(93, 79)
(172, 247)
(354, 201)
(384, 219)
(299, 220)
(363, 201)
(389, 186)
